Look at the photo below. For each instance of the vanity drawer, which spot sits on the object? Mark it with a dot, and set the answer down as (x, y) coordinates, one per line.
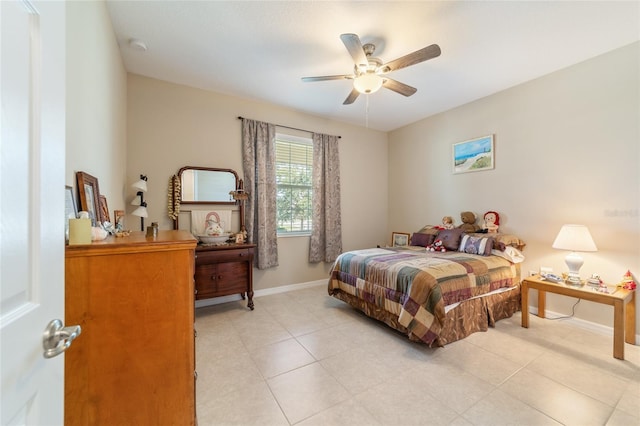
(234, 255)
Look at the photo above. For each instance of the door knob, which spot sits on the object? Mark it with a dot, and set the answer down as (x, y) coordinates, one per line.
(57, 338)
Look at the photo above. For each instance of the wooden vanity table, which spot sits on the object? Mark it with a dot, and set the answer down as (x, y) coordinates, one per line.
(223, 270)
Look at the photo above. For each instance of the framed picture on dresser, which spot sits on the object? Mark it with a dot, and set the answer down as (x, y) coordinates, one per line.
(104, 210)
(70, 209)
(89, 196)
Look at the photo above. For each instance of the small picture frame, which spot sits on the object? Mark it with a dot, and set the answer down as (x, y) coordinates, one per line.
(118, 219)
(70, 209)
(399, 239)
(89, 196)
(239, 238)
(474, 155)
(104, 210)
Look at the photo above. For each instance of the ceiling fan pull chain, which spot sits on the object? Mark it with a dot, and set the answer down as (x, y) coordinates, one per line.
(366, 113)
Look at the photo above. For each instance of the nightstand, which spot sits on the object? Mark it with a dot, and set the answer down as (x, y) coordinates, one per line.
(623, 302)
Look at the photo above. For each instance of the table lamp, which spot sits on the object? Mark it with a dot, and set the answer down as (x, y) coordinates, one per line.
(574, 238)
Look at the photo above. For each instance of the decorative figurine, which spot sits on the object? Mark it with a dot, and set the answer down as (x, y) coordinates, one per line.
(628, 282)
(594, 281)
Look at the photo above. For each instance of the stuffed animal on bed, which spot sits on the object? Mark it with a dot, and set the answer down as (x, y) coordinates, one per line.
(491, 222)
(468, 222)
(447, 222)
(438, 245)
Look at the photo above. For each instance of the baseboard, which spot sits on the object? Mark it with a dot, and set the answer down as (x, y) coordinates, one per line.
(260, 293)
(290, 287)
(579, 323)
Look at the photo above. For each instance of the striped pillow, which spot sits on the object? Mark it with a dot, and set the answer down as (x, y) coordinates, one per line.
(474, 245)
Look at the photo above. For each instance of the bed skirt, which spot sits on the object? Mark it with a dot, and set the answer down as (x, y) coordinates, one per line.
(468, 317)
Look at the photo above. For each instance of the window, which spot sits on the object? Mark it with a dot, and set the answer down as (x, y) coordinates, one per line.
(294, 160)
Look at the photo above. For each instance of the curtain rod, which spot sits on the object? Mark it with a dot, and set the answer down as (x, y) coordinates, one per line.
(288, 127)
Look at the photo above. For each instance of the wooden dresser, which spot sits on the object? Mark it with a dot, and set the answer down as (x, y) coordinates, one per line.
(224, 270)
(134, 362)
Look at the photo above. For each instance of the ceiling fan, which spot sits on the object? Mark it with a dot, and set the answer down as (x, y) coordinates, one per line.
(369, 73)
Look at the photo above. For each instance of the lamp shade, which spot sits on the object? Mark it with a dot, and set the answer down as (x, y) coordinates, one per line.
(367, 83)
(141, 211)
(574, 238)
(141, 185)
(135, 201)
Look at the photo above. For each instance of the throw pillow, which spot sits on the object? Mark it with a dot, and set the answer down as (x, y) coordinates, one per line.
(450, 238)
(473, 245)
(422, 240)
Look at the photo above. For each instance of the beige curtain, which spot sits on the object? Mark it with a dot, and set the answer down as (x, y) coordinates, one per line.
(259, 161)
(326, 233)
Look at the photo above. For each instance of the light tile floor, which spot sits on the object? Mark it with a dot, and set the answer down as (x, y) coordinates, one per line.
(305, 358)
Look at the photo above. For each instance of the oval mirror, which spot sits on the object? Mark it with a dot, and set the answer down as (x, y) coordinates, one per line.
(207, 185)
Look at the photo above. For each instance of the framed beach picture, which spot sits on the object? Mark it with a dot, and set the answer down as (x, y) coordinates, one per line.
(399, 239)
(474, 155)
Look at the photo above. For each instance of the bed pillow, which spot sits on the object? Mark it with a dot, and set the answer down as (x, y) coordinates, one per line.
(510, 240)
(512, 254)
(500, 241)
(429, 229)
(450, 238)
(422, 240)
(475, 245)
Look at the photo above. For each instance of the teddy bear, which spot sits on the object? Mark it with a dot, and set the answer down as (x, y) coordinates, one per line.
(437, 245)
(468, 222)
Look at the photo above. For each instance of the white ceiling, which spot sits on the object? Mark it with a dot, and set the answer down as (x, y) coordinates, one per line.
(260, 50)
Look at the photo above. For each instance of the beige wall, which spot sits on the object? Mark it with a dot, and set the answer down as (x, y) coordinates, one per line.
(567, 151)
(96, 101)
(171, 126)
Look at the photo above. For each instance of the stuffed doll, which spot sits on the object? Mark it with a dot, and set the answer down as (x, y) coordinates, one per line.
(468, 222)
(491, 222)
(447, 222)
(437, 245)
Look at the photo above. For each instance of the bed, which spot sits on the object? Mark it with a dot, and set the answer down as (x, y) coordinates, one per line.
(432, 297)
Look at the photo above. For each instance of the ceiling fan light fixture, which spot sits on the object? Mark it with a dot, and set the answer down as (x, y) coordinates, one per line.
(368, 83)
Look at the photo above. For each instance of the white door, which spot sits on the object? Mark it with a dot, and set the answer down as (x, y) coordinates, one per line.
(32, 167)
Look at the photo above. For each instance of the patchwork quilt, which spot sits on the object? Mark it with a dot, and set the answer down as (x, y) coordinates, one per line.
(416, 286)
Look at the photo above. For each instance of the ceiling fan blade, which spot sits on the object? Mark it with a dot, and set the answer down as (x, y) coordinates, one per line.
(328, 77)
(398, 87)
(352, 97)
(416, 57)
(354, 46)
